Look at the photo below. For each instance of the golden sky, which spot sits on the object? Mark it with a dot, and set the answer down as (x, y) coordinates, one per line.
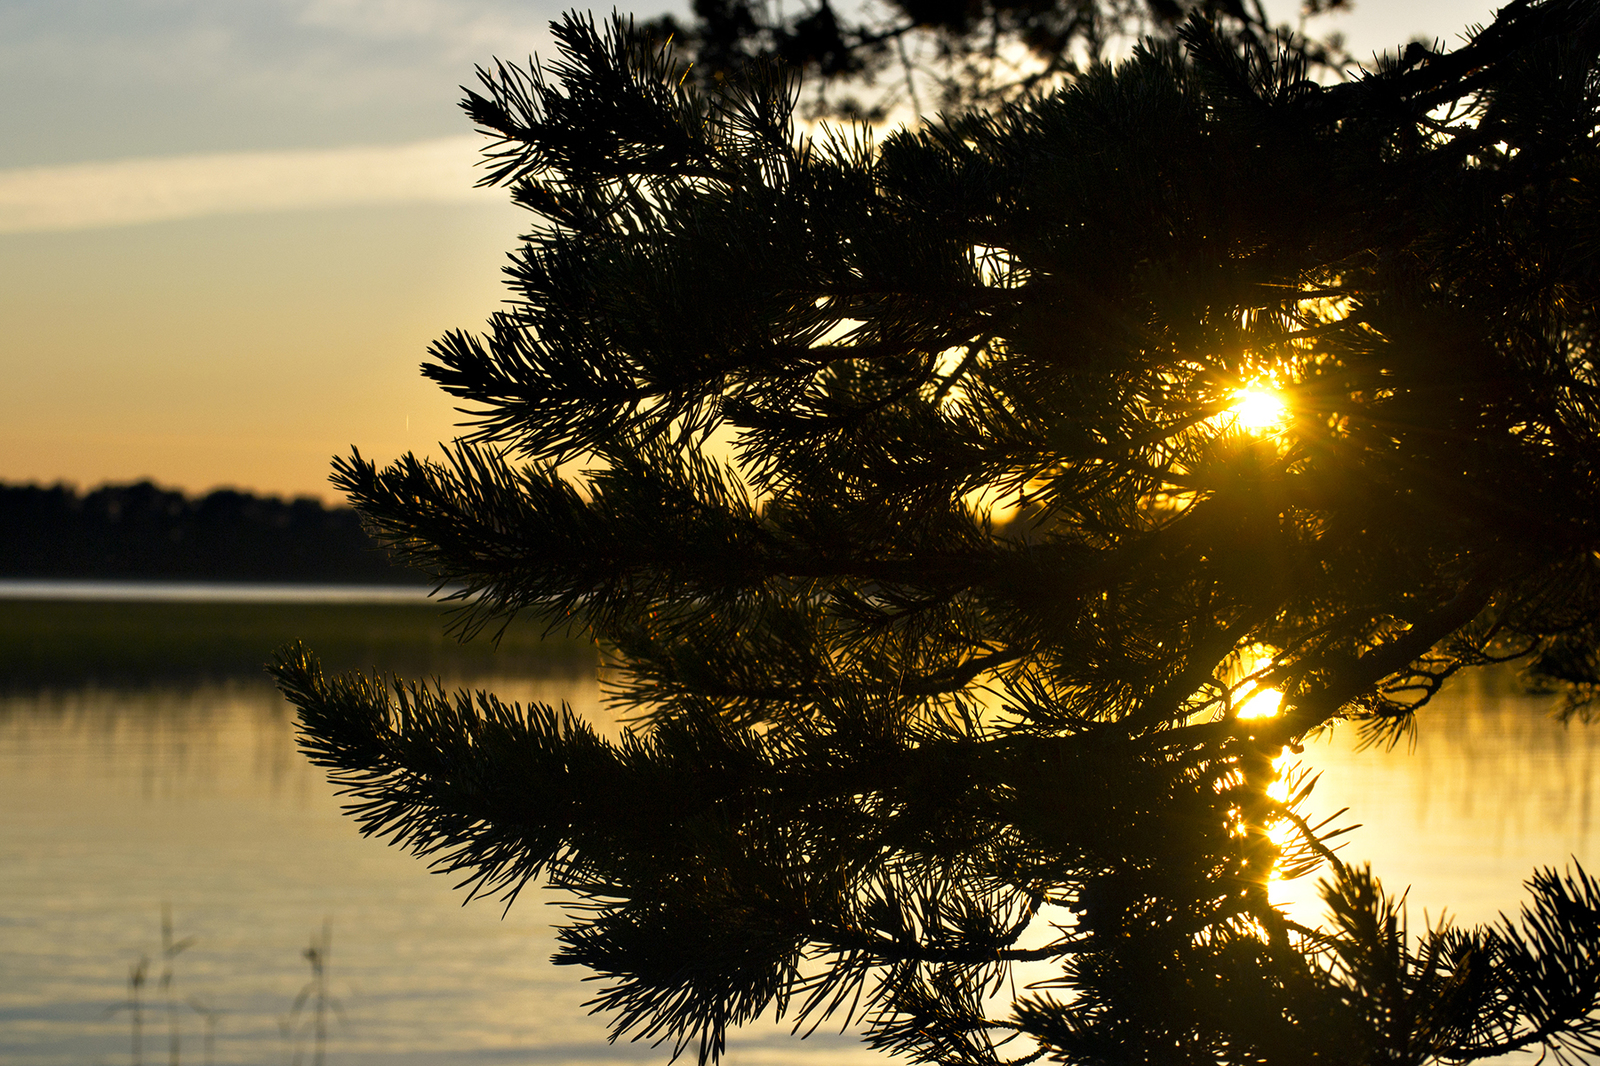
(228, 232)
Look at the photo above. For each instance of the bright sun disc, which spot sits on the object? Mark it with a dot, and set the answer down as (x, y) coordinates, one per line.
(1260, 703)
(1260, 410)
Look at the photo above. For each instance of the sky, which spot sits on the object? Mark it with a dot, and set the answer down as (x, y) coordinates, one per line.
(229, 229)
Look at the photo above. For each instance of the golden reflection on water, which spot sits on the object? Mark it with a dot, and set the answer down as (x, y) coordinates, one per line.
(1491, 789)
(118, 801)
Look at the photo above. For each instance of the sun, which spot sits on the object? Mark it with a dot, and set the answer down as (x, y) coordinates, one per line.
(1259, 703)
(1252, 698)
(1259, 410)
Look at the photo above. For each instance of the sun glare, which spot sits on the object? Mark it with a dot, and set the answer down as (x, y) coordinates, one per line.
(1252, 699)
(1259, 410)
(1260, 703)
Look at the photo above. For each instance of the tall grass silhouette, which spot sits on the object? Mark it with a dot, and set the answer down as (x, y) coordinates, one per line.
(307, 1021)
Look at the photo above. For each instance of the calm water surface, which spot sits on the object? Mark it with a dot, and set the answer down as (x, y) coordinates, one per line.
(119, 801)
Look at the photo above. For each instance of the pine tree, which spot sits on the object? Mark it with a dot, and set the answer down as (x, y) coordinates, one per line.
(869, 61)
(914, 493)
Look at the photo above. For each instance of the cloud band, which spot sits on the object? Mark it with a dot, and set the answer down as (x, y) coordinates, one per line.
(132, 191)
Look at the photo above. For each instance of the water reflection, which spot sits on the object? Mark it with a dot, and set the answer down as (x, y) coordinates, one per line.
(1490, 788)
(120, 799)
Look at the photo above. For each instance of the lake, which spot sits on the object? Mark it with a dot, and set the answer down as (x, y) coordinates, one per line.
(129, 789)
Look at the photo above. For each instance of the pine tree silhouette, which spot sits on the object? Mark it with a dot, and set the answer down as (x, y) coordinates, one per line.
(948, 541)
(872, 61)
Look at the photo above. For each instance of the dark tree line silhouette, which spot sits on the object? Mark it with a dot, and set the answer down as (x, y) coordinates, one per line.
(142, 531)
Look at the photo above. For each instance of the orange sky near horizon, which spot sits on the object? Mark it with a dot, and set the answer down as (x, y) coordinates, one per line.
(242, 351)
(247, 300)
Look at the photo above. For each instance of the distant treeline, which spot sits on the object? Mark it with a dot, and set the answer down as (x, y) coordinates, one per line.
(141, 531)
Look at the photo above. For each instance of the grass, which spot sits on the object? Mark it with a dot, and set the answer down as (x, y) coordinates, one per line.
(47, 643)
(307, 1017)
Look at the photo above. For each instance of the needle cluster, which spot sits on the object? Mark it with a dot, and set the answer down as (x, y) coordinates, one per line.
(901, 486)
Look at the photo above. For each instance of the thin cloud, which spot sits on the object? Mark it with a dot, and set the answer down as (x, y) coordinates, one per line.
(457, 28)
(134, 191)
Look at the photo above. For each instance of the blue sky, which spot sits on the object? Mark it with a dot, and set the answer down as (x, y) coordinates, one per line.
(229, 229)
(109, 79)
